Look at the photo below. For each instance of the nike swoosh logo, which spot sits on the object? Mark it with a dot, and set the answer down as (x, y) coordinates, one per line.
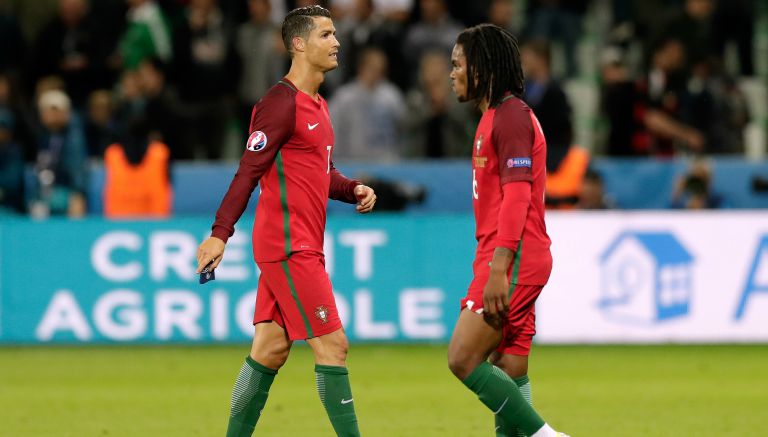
(312, 126)
(501, 407)
(345, 401)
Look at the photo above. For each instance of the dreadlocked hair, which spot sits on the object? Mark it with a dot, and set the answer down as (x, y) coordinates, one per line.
(493, 63)
(299, 22)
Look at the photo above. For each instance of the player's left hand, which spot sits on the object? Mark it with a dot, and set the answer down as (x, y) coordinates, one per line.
(496, 299)
(366, 198)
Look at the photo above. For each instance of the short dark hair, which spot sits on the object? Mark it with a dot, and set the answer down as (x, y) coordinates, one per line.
(493, 63)
(299, 22)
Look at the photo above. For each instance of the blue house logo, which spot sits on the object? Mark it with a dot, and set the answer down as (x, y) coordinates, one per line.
(646, 278)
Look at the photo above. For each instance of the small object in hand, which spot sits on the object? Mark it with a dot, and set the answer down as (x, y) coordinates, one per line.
(207, 274)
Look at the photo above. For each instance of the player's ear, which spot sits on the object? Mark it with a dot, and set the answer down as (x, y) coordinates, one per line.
(298, 44)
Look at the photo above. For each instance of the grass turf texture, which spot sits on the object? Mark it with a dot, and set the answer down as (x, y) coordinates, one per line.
(398, 391)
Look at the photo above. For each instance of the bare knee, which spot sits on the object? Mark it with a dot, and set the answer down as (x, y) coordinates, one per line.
(462, 363)
(513, 365)
(330, 349)
(472, 341)
(271, 345)
(271, 355)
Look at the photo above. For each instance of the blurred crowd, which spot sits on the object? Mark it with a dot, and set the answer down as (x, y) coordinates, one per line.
(140, 84)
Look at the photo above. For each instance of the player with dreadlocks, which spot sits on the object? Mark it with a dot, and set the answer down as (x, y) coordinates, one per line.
(492, 338)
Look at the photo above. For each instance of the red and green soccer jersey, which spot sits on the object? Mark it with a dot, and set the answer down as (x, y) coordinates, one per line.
(510, 147)
(289, 153)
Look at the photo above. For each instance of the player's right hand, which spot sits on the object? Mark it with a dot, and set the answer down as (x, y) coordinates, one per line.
(210, 251)
(496, 299)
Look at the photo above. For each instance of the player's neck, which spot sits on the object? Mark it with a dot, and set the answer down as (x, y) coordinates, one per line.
(483, 105)
(306, 78)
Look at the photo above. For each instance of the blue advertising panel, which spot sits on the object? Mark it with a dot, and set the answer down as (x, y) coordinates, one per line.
(395, 278)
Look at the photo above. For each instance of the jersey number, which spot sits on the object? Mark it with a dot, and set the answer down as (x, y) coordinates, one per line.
(474, 183)
(328, 171)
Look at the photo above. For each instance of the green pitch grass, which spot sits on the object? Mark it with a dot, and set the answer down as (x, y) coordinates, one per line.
(398, 391)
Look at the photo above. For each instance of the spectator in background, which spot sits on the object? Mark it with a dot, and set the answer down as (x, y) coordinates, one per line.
(100, 124)
(129, 101)
(368, 113)
(61, 165)
(363, 28)
(438, 126)
(32, 15)
(435, 31)
(635, 21)
(21, 113)
(659, 107)
(548, 101)
(558, 20)
(163, 111)
(11, 166)
(68, 47)
(263, 56)
(48, 83)
(502, 13)
(137, 175)
(147, 35)
(566, 165)
(619, 96)
(692, 27)
(714, 105)
(592, 194)
(206, 70)
(694, 189)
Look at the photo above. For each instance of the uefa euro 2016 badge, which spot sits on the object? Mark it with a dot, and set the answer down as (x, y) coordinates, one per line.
(322, 314)
(257, 141)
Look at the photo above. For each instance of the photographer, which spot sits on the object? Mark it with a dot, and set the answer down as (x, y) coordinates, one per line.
(693, 190)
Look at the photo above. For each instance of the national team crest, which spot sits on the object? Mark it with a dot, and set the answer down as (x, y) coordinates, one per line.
(257, 141)
(322, 314)
(479, 160)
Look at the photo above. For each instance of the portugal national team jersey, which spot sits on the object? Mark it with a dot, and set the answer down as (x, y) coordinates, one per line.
(289, 151)
(509, 146)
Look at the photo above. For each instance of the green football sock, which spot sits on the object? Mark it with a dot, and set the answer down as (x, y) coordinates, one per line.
(502, 428)
(248, 397)
(336, 396)
(499, 393)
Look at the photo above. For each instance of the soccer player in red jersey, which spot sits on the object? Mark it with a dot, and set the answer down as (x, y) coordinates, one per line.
(512, 261)
(289, 153)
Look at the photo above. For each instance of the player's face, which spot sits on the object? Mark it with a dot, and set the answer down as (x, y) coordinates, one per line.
(322, 45)
(459, 72)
